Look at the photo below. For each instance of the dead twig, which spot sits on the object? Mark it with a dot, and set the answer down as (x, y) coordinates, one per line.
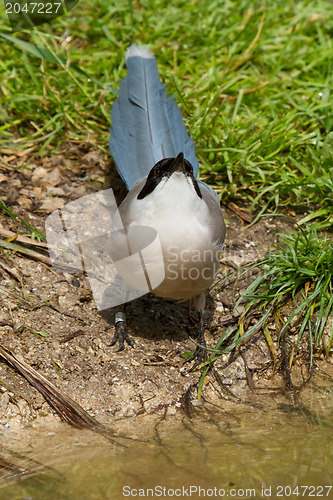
(241, 213)
(71, 336)
(10, 235)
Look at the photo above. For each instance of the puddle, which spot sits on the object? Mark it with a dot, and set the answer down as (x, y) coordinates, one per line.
(284, 451)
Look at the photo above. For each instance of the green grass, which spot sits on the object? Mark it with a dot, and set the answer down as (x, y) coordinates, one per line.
(253, 80)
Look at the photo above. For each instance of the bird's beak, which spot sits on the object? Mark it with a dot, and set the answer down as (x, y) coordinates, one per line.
(178, 165)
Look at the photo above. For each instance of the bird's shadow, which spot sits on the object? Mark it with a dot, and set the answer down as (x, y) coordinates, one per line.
(154, 318)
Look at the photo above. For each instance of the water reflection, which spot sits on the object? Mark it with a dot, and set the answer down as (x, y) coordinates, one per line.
(255, 453)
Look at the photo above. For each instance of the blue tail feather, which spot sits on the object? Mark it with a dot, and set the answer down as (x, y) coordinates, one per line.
(146, 125)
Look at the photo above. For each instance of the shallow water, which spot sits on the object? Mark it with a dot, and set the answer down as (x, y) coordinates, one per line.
(275, 451)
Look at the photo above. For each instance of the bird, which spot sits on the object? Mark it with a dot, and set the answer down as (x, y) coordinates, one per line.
(156, 159)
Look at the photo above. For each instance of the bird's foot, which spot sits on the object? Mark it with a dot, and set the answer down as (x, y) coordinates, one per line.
(121, 335)
(199, 356)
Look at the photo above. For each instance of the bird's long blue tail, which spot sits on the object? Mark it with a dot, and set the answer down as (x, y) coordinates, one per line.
(146, 125)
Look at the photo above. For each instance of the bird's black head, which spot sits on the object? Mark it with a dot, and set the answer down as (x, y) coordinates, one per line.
(164, 169)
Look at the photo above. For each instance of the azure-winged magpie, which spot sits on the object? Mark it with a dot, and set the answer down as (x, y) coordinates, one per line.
(156, 159)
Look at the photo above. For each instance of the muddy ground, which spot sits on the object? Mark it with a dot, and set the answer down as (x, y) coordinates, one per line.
(50, 319)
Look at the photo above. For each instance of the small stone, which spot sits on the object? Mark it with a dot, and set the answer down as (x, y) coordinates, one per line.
(38, 174)
(51, 204)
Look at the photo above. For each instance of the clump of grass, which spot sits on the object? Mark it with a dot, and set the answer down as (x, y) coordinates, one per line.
(296, 276)
(300, 270)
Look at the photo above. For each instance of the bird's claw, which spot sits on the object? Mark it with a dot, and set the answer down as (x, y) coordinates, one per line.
(199, 356)
(121, 336)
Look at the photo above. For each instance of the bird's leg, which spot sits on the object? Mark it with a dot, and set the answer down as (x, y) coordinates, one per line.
(121, 335)
(200, 353)
(193, 318)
